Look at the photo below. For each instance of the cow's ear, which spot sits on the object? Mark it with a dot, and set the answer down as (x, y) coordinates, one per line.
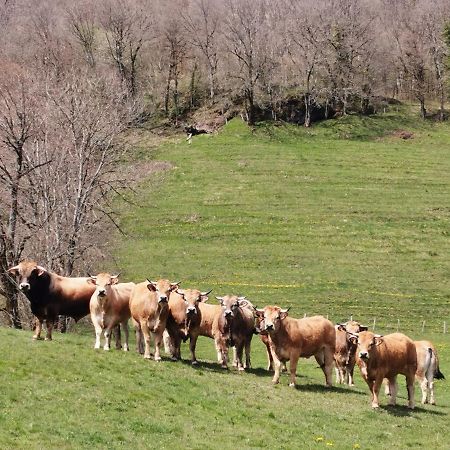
(151, 286)
(363, 328)
(174, 286)
(91, 280)
(115, 279)
(204, 298)
(243, 303)
(340, 327)
(220, 299)
(378, 339)
(40, 270)
(180, 292)
(284, 313)
(14, 271)
(353, 339)
(259, 312)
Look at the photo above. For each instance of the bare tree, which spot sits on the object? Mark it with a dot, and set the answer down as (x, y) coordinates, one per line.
(245, 32)
(81, 22)
(202, 23)
(127, 27)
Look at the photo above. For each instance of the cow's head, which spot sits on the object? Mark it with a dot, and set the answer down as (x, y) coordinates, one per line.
(103, 283)
(230, 304)
(192, 297)
(354, 327)
(28, 273)
(367, 343)
(272, 317)
(162, 289)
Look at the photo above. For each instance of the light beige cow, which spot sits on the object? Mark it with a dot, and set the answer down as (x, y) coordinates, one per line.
(109, 306)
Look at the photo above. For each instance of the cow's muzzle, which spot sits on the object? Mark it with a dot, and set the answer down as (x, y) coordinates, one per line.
(269, 327)
(101, 292)
(364, 355)
(191, 310)
(162, 299)
(228, 313)
(24, 287)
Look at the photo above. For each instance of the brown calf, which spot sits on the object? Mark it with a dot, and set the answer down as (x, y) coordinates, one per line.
(149, 307)
(239, 313)
(183, 317)
(387, 356)
(291, 339)
(109, 307)
(345, 353)
(51, 295)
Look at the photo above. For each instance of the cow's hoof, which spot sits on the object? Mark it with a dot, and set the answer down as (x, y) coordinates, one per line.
(241, 369)
(48, 339)
(292, 385)
(147, 357)
(410, 406)
(275, 381)
(158, 358)
(126, 349)
(375, 405)
(36, 338)
(174, 359)
(106, 349)
(194, 363)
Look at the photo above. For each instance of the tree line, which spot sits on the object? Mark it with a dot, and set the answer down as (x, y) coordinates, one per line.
(75, 75)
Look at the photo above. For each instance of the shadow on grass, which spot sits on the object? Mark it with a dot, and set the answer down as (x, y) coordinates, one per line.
(322, 389)
(404, 411)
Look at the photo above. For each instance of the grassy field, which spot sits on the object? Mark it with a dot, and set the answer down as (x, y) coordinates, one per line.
(345, 219)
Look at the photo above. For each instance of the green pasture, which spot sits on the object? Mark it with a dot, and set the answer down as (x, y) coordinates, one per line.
(345, 220)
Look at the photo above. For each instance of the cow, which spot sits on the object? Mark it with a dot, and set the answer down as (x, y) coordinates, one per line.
(345, 353)
(183, 316)
(291, 339)
(51, 295)
(149, 307)
(239, 312)
(109, 306)
(380, 357)
(427, 370)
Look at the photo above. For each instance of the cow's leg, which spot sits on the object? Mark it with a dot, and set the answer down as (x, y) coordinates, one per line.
(276, 367)
(410, 387)
(139, 338)
(393, 390)
(192, 344)
(248, 343)
(107, 334)
(423, 383)
(37, 332)
(293, 368)
(325, 359)
(157, 339)
(375, 389)
(49, 322)
(124, 324)
(350, 369)
(98, 331)
(270, 365)
(239, 353)
(117, 337)
(430, 381)
(235, 358)
(222, 352)
(146, 332)
(176, 347)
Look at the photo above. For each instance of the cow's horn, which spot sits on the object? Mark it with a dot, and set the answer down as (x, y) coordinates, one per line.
(219, 298)
(242, 298)
(115, 276)
(261, 310)
(285, 310)
(206, 292)
(94, 277)
(176, 283)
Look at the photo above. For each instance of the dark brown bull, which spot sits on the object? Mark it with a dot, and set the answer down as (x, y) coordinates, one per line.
(51, 295)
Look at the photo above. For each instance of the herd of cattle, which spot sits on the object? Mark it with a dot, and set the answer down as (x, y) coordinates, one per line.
(162, 311)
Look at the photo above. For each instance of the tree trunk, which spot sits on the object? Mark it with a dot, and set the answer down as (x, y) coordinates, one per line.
(12, 301)
(423, 111)
(307, 110)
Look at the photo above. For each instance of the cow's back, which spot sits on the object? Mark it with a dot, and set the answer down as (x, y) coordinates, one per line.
(396, 355)
(177, 309)
(69, 296)
(142, 302)
(209, 319)
(424, 358)
(311, 334)
(121, 301)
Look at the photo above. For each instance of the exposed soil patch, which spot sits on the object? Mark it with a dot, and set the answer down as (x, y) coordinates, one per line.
(403, 134)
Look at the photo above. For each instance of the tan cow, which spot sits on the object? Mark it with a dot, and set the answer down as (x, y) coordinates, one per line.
(387, 356)
(345, 353)
(292, 338)
(149, 307)
(239, 312)
(183, 316)
(109, 307)
(427, 369)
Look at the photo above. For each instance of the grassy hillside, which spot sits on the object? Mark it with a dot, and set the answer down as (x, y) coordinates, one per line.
(346, 219)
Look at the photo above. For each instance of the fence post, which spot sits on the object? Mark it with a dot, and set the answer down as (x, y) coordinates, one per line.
(398, 325)
(445, 327)
(423, 326)
(374, 322)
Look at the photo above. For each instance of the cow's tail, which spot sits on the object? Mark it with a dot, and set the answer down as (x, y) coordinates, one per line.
(434, 359)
